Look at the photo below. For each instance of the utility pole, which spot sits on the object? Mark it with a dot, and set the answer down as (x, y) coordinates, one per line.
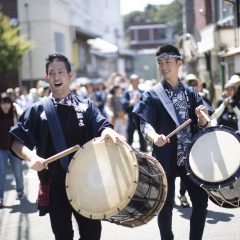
(238, 22)
(29, 34)
(184, 18)
(188, 19)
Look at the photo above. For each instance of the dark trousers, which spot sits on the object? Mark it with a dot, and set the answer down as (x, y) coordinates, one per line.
(199, 199)
(182, 189)
(61, 217)
(130, 131)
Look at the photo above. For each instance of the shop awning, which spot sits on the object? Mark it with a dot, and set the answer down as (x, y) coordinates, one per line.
(230, 52)
(102, 45)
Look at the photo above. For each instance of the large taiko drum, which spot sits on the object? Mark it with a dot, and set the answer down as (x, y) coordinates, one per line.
(213, 162)
(116, 183)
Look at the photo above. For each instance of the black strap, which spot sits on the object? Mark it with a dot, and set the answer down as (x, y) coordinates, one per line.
(55, 129)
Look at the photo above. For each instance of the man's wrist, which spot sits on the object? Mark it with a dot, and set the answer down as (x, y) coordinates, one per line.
(151, 136)
(204, 125)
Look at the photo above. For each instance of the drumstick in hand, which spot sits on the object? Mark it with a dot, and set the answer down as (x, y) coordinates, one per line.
(61, 154)
(179, 128)
(205, 116)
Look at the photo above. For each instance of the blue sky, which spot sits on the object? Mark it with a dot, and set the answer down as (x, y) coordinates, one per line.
(133, 5)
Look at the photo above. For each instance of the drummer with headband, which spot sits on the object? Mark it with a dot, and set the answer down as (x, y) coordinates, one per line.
(167, 105)
(79, 122)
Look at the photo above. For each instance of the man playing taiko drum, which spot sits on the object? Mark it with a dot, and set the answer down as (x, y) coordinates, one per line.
(161, 109)
(80, 121)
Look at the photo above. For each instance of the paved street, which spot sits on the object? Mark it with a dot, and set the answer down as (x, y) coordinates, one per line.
(20, 220)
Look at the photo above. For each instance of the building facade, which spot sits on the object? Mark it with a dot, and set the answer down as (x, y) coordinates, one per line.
(66, 26)
(144, 39)
(151, 35)
(216, 33)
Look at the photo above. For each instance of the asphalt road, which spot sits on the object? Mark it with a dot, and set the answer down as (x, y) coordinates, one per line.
(19, 220)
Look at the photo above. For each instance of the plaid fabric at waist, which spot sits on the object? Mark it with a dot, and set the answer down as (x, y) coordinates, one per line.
(43, 197)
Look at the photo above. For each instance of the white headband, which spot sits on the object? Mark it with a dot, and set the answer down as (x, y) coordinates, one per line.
(169, 56)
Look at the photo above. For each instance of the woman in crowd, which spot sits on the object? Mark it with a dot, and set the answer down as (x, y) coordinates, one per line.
(8, 116)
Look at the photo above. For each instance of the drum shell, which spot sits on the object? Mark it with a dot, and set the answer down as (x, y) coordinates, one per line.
(149, 197)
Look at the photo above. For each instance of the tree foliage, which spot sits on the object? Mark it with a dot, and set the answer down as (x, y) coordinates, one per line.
(12, 46)
(171, 13)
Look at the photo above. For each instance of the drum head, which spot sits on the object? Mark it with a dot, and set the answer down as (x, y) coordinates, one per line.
(102, 178)
(214, 156)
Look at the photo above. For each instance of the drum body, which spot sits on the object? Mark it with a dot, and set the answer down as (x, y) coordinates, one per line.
(150, 194)
(213, 162)
(115, 183)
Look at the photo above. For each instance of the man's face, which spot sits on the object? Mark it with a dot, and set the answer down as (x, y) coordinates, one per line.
(5, 107)
(194, 84)
(169, 67)
(230, 91)
(58, 79)
(135, 83)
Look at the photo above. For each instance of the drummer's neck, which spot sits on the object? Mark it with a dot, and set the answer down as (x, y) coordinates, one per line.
(174, 83)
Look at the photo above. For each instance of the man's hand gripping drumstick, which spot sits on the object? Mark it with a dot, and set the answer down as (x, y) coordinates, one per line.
(38, 164)
(202, 114)
(160, 139)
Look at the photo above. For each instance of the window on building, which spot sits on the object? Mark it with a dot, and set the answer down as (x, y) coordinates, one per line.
(132, 35)
(143, 34)
(226, 13)
(59, 42)
(149, 34)
(159, 33)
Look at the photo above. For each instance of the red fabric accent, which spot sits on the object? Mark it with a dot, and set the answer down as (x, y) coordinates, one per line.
(43, 194)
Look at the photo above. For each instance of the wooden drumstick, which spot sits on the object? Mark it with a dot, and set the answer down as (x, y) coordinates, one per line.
(179, 128)
(205, 116)
(61, 154)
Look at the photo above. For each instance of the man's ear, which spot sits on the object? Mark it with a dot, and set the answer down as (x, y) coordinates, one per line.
(46, 78)
(70, 74)
(179, 63)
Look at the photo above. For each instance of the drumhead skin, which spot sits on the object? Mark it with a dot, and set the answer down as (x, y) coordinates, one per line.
(214, 155)
(101, 179)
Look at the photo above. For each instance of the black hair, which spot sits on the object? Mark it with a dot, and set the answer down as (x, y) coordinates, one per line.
(193, 83)
(167, 48)
(114, 88)
(59, 57)
(204, 85)
(5, 98)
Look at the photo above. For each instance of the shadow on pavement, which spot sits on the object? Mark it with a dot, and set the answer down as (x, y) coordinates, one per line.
(184, 212)
(212, 217)
(25, 206)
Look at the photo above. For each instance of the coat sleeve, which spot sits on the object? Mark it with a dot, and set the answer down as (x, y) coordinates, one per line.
(97, 121)
(26, 129)
(145, 110)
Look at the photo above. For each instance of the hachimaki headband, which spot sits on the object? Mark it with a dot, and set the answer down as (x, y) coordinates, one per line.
(169, 56)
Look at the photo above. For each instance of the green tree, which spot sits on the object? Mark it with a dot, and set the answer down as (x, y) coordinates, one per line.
(12, 46)
(170, 13)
